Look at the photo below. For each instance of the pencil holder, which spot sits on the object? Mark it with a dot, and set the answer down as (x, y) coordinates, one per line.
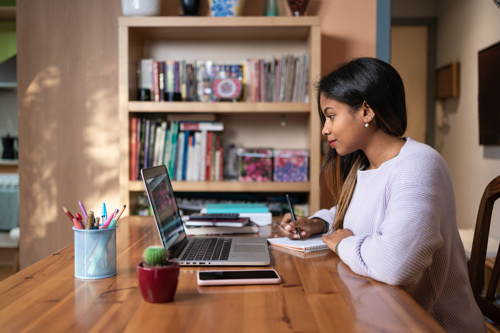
(95, 253)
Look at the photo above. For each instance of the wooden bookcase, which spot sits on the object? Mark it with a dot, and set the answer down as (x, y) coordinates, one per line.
(250, 124)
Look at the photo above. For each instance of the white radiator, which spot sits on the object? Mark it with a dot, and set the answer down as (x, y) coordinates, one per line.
(9, 201)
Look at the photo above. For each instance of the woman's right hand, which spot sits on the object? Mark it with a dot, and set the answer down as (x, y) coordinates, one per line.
(306, 227)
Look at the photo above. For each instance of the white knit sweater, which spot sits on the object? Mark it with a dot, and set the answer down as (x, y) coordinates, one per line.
(405, 233)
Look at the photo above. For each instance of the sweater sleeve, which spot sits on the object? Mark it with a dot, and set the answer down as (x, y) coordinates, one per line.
(327, 215)
(403, 244)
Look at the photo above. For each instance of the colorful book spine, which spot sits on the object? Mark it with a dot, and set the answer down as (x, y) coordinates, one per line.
(156, 85)
(208, 162)
(133, 147)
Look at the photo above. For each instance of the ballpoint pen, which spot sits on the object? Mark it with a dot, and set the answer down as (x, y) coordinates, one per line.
(104, 212)
(108, 221)
(292, 213)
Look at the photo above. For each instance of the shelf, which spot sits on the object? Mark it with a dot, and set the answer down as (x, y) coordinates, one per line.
(221, 28)
(7, 13)
(219, 107)
(8, 85)
(247, 124)
(228, 186)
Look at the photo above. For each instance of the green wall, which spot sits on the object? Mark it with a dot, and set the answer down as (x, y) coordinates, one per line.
(8, 41)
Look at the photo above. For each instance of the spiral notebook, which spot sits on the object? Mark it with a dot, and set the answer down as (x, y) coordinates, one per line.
(314, 243)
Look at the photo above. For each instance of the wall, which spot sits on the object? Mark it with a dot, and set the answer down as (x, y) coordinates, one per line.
(68, 85)
(68, 117)
(464, 28)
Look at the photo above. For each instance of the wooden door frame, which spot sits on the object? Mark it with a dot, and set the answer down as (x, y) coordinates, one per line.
(431, 24)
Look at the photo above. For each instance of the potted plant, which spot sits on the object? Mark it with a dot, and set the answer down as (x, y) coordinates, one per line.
(157, 275)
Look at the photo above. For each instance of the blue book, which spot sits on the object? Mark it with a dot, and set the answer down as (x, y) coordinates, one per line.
(237, 208)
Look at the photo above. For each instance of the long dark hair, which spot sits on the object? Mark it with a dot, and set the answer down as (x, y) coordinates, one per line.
(361, 80)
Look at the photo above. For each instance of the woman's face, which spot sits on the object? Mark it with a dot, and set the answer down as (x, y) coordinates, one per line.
(344, 128)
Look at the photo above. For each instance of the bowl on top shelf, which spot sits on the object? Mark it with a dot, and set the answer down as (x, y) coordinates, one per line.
(141, 7)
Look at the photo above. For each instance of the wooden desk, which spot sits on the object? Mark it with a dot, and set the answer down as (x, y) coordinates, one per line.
(318, 294)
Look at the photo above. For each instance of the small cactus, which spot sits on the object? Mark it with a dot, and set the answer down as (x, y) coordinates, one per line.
(155, 256)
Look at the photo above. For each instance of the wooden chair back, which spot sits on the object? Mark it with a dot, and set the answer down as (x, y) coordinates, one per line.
(485, 297)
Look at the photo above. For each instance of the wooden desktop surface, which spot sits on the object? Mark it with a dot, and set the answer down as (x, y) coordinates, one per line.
(319, 293)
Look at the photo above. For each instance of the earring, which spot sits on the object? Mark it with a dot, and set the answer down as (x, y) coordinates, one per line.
(367, 124)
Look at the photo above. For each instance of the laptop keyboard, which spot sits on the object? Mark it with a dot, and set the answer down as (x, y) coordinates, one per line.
(208, 249)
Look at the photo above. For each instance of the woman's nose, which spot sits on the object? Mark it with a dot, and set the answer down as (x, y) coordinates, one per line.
(325, 131)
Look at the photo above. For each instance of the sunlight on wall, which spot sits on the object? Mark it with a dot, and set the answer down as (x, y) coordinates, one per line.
(41, 179)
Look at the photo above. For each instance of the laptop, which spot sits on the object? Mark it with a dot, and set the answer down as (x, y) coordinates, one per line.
(196, 251)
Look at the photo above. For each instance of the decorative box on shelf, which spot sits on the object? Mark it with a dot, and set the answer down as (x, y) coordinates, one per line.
(291, 165)
(255, 164)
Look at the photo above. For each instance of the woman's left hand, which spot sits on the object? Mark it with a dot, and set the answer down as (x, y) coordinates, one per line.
(335, 237)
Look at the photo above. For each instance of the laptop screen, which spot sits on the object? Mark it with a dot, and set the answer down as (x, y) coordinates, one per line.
(164, 206)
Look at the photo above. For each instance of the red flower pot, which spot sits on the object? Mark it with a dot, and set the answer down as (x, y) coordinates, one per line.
(158, 284)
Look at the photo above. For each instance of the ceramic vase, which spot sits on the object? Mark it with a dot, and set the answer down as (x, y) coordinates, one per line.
(223, 8)
(158, 284)
(271, 8)
(190, 7)
(298, 7)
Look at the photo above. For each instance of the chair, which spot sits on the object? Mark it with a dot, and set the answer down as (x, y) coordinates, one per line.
(485, 299)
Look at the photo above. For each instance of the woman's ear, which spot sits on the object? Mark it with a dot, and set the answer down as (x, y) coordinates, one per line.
(368, 113)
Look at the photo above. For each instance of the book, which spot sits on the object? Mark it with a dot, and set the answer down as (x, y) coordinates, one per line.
(236, 208)
(201, 126)
(238, 222)
(258, 213)
(133, 148)
(314, 243)
(250, 228)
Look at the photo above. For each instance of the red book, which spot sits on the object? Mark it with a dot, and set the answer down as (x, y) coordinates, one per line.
(208, 155)
(133, 147)
(220, 162)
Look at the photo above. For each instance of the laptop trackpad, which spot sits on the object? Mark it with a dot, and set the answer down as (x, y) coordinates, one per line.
(249, 248)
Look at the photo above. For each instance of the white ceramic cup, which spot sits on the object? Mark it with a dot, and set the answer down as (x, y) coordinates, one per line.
(141, 7)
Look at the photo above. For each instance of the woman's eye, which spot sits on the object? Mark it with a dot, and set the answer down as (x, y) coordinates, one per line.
(330, 116)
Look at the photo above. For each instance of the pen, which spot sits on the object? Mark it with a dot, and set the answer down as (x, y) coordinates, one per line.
(96, 222)
(78, 217)
(84, 212)
(104, 214)
(292, 213)
(120, 213)
(90, 220)
(77, 224)
(106, 225)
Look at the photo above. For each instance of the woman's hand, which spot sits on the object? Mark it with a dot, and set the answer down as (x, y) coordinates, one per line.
(305, 226)
(335, 237)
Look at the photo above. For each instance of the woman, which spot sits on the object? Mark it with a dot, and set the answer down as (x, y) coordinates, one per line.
(394, 218)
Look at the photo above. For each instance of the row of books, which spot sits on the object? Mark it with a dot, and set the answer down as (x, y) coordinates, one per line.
(282, 79)
(191, 150)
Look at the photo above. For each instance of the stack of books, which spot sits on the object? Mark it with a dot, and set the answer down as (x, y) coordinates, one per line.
(200, 226)
(256, 212)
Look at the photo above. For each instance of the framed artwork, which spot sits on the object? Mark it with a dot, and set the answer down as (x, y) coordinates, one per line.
(489, 83)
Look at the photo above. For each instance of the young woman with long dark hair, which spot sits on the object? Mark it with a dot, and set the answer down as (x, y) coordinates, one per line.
(394, 216)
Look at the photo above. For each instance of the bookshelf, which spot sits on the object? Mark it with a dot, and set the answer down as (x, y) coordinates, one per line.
(251, 124)
(7, 13)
